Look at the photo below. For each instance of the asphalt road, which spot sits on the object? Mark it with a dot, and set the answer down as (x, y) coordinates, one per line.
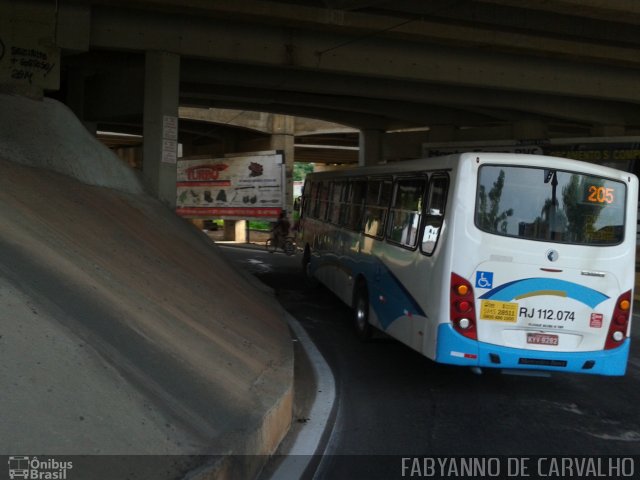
(394, 403)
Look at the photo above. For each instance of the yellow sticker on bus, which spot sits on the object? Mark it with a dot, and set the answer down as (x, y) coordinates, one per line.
(499, 311)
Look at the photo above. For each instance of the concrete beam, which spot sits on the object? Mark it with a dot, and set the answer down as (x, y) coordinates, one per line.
(73, 29)
(320, 52)
(351, 119)
(259, 121)
(608, 131)
(417, 28)
(625, 11)
(307, 154)
(529, 129)
(399, 110)
(569, 107)
(311, 126)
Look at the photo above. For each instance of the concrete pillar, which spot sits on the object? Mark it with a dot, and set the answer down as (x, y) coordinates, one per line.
(161, 90)
(235, 231)
(282, 138)
(404, 145)
(370, 143)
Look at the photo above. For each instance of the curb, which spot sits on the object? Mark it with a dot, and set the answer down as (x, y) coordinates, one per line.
(308, 442)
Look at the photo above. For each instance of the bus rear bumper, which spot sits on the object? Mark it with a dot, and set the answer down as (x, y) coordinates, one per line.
(455, 349)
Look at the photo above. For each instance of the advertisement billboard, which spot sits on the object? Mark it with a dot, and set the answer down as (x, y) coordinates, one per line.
(241, 187)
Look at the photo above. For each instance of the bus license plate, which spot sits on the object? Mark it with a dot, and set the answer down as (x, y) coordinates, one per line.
(542, 339)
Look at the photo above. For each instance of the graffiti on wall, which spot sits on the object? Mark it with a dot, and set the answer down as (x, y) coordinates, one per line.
(25, 63)
(29, 62)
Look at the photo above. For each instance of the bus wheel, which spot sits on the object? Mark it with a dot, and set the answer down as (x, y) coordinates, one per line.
(361, 312)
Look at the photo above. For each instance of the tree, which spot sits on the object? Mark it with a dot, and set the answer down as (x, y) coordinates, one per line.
(488, 216)
(581, 216)
(300, 170)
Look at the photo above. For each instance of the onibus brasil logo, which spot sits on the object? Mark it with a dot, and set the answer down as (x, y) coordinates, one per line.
(35, 469)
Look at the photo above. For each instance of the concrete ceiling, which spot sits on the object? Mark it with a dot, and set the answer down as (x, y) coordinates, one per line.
(573, 65)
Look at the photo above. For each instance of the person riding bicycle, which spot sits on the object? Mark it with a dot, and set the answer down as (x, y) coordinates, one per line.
(281, 228)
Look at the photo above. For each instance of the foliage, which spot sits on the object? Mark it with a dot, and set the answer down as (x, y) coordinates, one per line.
(488, 216)
(300, 170)
(260, 225)
(581, 216)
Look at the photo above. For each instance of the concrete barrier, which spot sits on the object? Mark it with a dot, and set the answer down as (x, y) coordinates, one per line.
(123, 329)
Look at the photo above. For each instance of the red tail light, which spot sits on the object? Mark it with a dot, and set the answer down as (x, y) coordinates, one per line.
(462, 310)
(619, 322)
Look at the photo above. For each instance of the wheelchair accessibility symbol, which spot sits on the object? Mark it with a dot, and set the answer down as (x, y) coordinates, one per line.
(484, 279)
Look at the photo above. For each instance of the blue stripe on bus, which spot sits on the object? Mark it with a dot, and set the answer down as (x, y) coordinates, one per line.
(397, 299)
(455, 349)
(518, 288)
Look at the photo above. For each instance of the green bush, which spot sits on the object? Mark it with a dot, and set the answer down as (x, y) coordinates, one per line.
(260, 225)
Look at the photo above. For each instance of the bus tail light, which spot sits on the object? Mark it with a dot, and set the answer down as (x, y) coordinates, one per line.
(462, 310)
(619, 321)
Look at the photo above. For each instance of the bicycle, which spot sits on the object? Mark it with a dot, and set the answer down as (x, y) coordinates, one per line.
(287, 244)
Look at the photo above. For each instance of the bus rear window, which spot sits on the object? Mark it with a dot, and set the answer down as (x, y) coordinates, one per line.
(550, 205)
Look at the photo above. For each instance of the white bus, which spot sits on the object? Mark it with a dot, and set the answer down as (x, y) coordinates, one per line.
(482, 259)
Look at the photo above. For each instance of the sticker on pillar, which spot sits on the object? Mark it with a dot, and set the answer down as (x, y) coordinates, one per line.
(170, 127)
(484, 279)
(169, 151)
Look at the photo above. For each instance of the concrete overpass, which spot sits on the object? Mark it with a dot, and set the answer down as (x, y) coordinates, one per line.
(452, 69)
(396, 74)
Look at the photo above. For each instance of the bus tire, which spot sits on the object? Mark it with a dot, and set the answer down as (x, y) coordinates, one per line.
(361, 311)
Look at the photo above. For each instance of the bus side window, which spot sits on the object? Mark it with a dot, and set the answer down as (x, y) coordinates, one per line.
(335, 201)
(377, 203)
(344, 204)
(323, 200)
(435, 205)
(356, 205)
(308, 195)
(406, 210)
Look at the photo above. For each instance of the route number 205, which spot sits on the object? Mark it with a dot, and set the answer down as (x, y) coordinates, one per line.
(600, 194)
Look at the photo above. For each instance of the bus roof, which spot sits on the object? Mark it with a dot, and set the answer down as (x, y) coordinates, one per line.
(449, 162)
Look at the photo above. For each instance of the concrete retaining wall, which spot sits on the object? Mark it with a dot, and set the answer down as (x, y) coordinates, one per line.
(122, 328)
